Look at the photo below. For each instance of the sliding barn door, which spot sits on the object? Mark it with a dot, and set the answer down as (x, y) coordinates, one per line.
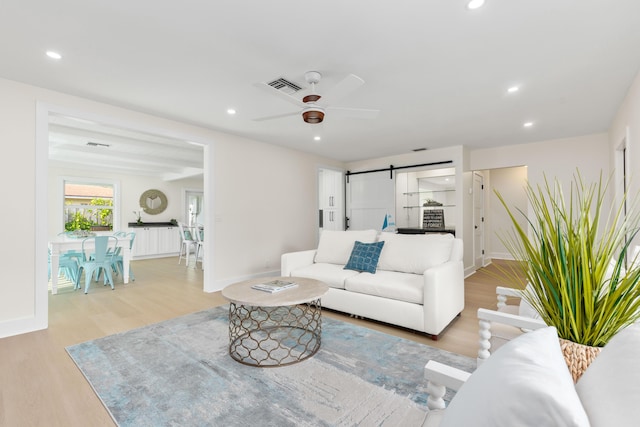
(371, 201)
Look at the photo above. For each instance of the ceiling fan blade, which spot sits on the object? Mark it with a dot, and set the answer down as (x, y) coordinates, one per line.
(284, 96)
(358, 113)
(277, 116)
(343, 88)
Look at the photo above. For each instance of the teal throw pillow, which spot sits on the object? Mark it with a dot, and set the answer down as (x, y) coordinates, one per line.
(364, 257)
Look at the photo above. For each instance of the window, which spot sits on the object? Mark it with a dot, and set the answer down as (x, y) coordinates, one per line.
(88, 206)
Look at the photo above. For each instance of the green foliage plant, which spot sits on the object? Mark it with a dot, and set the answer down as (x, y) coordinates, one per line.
(103, 214)
(78, 222)
(573, 260)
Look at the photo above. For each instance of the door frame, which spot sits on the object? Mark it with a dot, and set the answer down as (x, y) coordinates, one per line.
(478, 225)
(43, 109)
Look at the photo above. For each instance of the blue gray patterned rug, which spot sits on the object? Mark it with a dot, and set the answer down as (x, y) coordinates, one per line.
(179, 373)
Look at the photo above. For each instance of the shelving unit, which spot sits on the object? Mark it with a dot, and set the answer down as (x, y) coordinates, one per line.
(424, 192)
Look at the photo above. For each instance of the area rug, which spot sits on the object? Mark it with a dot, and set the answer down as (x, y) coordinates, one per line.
(179, 373)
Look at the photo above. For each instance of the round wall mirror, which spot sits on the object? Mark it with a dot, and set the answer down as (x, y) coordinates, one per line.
(153, 202)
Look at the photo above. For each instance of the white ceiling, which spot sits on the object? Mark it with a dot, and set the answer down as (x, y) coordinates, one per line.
(437, 72)
(85, 145)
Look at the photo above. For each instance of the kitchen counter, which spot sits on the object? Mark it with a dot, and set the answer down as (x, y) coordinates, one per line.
(151, 224)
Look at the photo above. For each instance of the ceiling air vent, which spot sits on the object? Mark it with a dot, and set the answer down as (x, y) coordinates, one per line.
(97, 144)
(284, 85)
(419, 149)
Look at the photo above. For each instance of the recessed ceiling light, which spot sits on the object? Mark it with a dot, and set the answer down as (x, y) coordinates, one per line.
(513, 89)
(528, 124)
(231, 111)
(316, 138)
(475, 4)
(53, 55)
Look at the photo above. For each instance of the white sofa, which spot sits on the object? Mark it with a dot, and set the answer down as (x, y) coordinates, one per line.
(418, 283)
(527, 383)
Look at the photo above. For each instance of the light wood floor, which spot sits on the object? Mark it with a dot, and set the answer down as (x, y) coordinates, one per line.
(41, 386)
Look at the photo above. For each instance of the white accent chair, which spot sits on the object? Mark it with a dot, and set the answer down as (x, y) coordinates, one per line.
(509, 321)
(527, 383)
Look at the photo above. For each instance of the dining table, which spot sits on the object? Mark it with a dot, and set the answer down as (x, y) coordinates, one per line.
(63, 243)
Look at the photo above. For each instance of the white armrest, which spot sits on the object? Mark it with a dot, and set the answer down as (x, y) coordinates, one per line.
(443, 295)
(486, 317)
(509, 292)
(503, 293)
(510, 319)
(293, 260)
(439, 377)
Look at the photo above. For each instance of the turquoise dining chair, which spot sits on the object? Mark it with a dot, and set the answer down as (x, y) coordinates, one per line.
(104, 251)
(117, 258)
(67, 265)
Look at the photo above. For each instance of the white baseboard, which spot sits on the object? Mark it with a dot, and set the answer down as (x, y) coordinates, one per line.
(500, 255)
(20, 326)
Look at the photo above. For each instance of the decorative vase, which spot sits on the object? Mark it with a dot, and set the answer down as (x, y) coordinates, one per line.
(578, 357)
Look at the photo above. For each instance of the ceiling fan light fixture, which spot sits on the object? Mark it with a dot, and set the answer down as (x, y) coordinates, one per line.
(313, 115)
(311, 98)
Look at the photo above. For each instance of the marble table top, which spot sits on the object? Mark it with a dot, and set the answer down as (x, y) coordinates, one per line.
(307, 290)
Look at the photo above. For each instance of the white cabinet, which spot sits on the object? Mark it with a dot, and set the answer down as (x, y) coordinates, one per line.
(169, 240)
(155, 242)
(331, 199)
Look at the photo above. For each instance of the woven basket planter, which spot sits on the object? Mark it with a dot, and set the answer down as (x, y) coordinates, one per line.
(578, 357)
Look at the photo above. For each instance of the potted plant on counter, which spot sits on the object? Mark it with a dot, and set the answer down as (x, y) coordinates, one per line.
(574, 256)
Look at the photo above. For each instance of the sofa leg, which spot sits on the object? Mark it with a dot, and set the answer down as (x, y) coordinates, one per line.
(434, 337)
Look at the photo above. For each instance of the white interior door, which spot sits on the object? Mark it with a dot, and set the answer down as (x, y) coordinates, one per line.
(478, 220)
(371, 201)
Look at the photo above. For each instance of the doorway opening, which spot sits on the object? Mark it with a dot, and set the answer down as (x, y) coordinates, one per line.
(42, 226)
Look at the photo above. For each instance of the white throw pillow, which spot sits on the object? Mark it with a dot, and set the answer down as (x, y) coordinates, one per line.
(524, 383)
(335, 246)
(610, 387)
(414, 253)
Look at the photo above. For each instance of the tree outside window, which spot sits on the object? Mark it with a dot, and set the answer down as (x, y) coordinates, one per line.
(88, 207)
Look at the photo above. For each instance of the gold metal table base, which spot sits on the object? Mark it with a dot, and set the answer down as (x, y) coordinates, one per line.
(274, 336)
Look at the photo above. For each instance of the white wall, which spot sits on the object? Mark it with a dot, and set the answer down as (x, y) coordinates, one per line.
(262, 199)
(511, 183)
(626, 127)
(559, 158)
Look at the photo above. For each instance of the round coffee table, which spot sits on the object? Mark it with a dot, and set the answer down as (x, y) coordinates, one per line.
(274, 329)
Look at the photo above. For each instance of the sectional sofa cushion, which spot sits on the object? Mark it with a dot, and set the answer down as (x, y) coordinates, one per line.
(389, 284)
(364, 257)
(610, 388)
(335, 246)
(414, 253)
(334, 275)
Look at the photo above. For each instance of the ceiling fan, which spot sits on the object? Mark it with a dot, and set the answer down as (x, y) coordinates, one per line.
(313, 105)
